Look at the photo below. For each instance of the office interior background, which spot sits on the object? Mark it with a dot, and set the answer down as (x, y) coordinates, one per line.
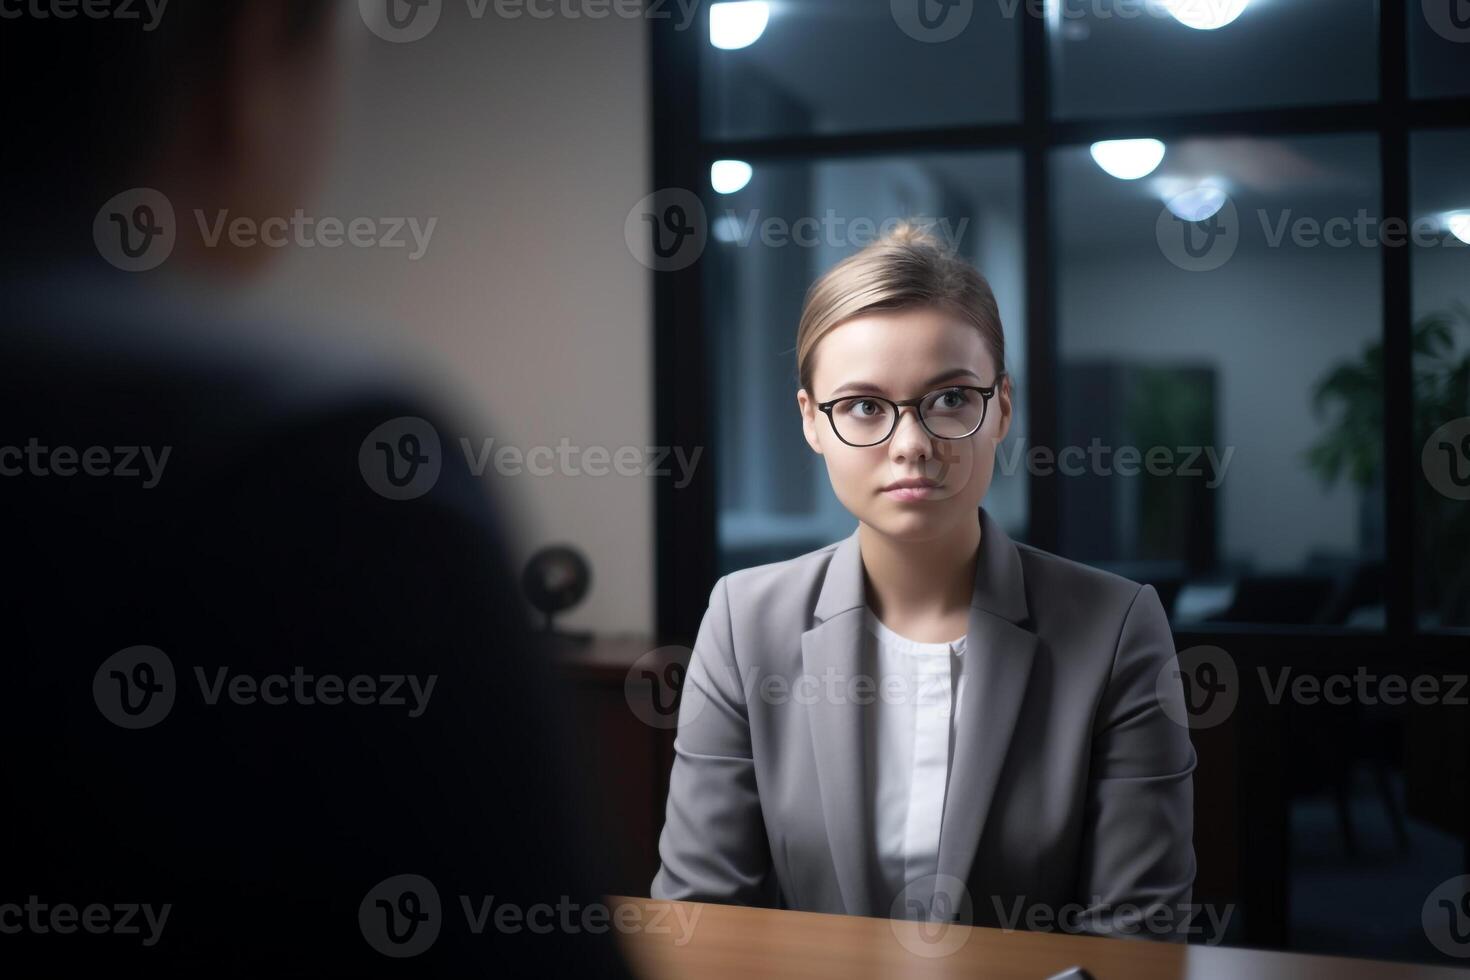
(1140, 183)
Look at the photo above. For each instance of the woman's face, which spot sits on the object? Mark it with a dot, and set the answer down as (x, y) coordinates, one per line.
(901, 355)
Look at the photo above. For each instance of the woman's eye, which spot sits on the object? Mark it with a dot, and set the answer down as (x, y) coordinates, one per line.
(858, 407)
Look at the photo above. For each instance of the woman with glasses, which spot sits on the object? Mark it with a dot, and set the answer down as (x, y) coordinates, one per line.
(926, 719)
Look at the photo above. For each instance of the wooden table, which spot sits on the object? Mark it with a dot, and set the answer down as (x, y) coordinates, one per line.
(711, 942)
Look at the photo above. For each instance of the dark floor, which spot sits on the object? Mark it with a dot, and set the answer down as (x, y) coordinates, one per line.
(1368, 905)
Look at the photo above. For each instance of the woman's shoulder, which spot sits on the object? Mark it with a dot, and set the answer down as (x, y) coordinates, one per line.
(1056, 585)
(784, 575)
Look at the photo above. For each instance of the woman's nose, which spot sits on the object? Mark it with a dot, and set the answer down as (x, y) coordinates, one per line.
(911, 440)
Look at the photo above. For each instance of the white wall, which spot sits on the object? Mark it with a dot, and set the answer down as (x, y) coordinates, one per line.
(528, 140)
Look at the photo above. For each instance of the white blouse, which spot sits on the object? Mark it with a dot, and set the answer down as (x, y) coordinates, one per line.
(909, 741)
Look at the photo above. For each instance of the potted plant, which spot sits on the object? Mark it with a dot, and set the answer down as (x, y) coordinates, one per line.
(1352, 446)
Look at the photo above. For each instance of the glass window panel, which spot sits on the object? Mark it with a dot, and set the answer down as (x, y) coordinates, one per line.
(1121, 57)
(1205, 352)
(827, 66)
(1440, 194)
(768, 242)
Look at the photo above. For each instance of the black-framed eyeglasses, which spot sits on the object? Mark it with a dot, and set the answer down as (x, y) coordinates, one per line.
(951, 412)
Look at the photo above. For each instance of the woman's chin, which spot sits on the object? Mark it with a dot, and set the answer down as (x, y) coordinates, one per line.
(921, 521)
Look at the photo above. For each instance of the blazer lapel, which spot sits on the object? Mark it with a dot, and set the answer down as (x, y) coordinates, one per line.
(835, 644)
(998, 657)
(997, 664)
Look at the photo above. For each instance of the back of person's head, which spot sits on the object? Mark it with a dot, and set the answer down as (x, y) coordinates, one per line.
(104, 98)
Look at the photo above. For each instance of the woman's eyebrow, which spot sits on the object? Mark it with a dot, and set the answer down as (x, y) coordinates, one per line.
(937, 379)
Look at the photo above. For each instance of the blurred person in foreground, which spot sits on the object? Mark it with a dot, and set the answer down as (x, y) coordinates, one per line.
(269, 705)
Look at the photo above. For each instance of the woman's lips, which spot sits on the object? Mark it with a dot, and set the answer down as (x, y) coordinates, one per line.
(910, 493)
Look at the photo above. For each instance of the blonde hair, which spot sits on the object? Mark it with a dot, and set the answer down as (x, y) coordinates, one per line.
(905, 269)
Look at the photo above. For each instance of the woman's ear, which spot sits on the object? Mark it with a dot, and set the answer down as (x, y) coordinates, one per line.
(808, 410)
(1003, 403)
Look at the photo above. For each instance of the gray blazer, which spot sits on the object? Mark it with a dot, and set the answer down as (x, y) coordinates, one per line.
(1070, 789)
